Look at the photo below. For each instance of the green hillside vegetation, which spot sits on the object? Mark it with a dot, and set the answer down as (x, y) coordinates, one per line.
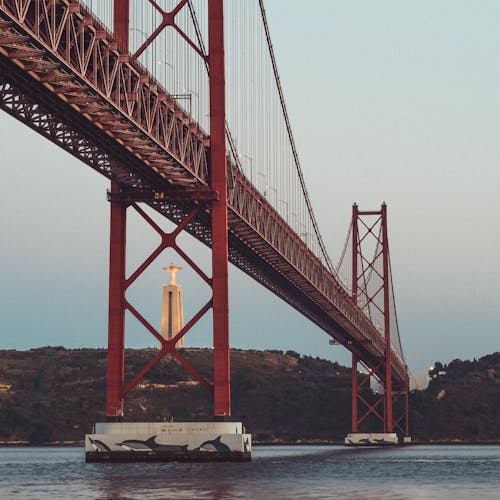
(463, 403)
(55, 394)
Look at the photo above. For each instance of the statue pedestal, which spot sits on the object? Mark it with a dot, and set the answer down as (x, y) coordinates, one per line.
(172, 310)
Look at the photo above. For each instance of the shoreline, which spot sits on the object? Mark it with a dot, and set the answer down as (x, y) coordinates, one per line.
(438, 442)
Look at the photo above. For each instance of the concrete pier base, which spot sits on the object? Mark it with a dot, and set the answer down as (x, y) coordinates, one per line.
(371, 439)
(168, 441)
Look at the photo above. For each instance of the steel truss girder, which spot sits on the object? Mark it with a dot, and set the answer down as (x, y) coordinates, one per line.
(67, 35)
(111, 100)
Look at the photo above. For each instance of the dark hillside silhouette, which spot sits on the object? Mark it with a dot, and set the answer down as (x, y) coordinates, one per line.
(55, 394)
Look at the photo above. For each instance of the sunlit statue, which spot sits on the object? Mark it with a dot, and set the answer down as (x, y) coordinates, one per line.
(172, 313)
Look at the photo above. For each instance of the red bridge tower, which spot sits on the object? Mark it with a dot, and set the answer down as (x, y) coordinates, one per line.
(372, 291)
(216, 196)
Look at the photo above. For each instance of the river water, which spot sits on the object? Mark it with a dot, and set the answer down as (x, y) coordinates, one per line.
(275, 472)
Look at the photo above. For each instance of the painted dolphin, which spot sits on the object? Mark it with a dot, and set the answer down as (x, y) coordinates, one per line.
(165, 447)
(134, 445)
(150, 445)
(214, 445)
(99, 445)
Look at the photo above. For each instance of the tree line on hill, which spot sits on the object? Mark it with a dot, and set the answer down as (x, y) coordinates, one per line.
(55, 394)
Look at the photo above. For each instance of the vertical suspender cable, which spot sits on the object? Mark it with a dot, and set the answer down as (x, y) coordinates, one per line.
(201, 44)
(292, 142)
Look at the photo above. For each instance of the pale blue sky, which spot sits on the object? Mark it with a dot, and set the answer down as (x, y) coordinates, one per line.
(392, 101)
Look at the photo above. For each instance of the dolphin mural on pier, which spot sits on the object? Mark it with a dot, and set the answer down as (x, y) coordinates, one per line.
(214, 445)
(150, 444)
(99, 445)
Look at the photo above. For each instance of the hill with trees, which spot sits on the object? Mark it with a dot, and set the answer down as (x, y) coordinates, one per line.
(55, 394)
(462, 401)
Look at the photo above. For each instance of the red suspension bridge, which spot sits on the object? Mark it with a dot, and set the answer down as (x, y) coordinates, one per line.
(179, 104)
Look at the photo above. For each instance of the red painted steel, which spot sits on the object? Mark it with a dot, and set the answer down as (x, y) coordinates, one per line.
(168, 19)
(354, 281)
(121, 14)
(383, 370)
(63, 75)
(354, 394)
(266, 247)
(406, 410)
(218, 182)
(118, 304)
(370, 408)
(388, 422)
(116, 315)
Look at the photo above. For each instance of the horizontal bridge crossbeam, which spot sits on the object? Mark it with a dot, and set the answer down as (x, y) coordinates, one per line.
(137, 195)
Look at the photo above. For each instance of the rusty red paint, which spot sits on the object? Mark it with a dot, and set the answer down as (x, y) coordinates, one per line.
(383, 371)
(116, 314)
(121, 15)
(218, 182)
